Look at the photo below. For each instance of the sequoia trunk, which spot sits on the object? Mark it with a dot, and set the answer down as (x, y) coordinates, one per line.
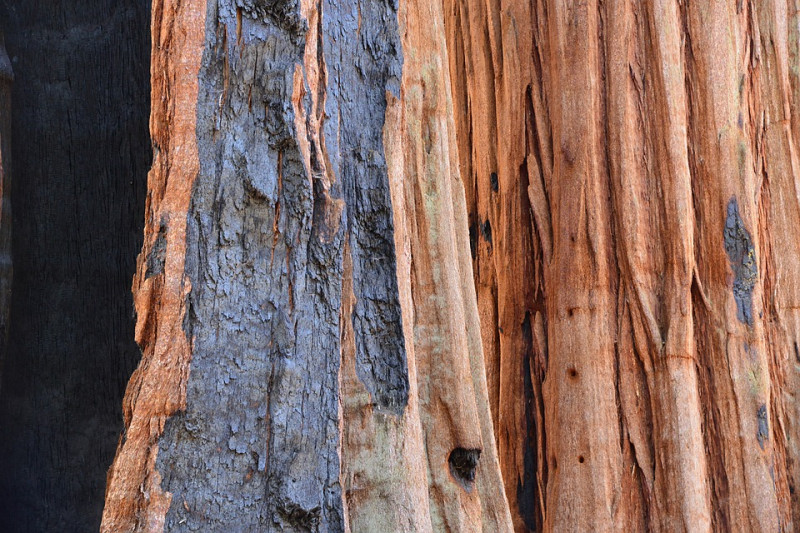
(415, 265)
(305, 304)
(632, 180)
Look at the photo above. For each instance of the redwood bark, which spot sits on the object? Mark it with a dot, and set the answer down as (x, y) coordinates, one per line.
(311, 350)
(467, 266)
(637, 164)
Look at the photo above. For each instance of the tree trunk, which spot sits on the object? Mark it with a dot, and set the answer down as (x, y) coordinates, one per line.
(631, 174)
(320, 351)
(305, 305)
(80, 157)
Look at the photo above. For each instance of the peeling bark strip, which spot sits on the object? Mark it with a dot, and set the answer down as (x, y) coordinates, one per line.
(135, 499)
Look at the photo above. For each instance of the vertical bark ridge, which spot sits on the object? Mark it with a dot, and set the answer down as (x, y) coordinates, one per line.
(454, 410)
(662, 138)
(157, 389)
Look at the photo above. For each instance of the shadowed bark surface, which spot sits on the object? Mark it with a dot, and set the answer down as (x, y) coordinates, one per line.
(81, 153)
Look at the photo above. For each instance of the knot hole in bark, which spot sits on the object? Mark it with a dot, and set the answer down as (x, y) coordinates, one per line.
(463, 463)
(300, 518)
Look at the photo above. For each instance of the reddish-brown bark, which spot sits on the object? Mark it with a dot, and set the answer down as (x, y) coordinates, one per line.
(621, 346)
(645, 160)
(157, 389)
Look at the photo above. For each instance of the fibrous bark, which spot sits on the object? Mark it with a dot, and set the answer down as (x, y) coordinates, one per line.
(637, 164)
(321, 351)
(311, 350)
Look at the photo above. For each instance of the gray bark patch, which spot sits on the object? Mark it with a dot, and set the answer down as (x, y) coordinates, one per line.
(284, 13)
(363, 62)
(742, 256)
(257, 447)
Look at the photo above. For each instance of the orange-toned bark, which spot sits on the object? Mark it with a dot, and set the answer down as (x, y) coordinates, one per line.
(433, 464)
(652, 151)
(157, 389)
(620, 351)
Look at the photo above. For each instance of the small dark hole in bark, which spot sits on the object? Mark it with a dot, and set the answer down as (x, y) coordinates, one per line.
(571, 372)
(463, 463)
(570, 312)
(494, 182)
(581, 459)
(553, 463)
(486, 231)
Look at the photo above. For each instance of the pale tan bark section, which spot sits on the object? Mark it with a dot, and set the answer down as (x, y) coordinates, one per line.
(157, 389)
(381, 453)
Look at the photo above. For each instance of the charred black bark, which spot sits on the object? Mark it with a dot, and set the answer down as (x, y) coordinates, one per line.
(81, 152)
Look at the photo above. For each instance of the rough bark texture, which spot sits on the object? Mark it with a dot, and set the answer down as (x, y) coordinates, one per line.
(81, 153)
(632, 180)
(311, 349)
(320, 351)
